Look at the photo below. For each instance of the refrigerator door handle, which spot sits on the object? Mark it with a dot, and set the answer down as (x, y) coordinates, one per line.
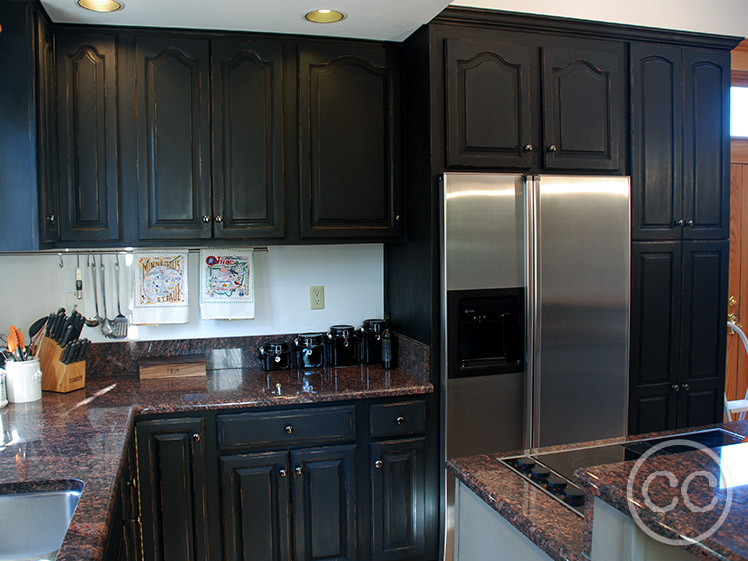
(532, 319)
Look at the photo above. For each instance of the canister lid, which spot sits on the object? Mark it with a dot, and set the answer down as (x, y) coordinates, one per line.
(373, 325)
(274, 346)
(309, 339)
(341, 330)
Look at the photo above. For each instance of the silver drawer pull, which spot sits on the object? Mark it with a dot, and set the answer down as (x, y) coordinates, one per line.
(400, 420)
(289, 429)
(298, 470)
(283, 473)
(378, 464)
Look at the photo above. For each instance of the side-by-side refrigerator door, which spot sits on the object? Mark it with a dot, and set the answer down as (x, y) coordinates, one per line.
(578, 306)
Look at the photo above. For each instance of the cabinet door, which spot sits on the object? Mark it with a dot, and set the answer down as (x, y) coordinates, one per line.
(656, 142)
(88, 151)
(324, 503)
(248, 180)
(256, 498)
(704, 332)
(583, 105)
(488, 104)
(49, 214)
(349, 130)
(173, 138)
(398, 500)
(171, 468)
(655, 321)
(706, 193)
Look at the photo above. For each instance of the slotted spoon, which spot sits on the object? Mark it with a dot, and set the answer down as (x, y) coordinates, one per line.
(120, 322)
(106, 326)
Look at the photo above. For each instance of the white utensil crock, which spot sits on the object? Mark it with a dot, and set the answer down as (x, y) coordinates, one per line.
(23, 380)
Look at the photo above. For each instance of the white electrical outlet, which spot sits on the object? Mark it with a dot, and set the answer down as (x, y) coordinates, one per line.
(316, 297)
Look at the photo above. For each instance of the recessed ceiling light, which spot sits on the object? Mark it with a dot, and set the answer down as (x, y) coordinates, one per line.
(324, 16)
(100, 5)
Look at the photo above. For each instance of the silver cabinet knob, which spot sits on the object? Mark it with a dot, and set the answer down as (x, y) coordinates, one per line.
(527, 148)
(135, 521)
(397, 218)
(400, 420)
(679, 222)
(298, 470)
(283, 473)
(196, 437)
(289, 429)
(675, 387)
(219, 218)
(378, 464)
(133, 483)
(686, 387)
(51, 219)
(689, 223)
(206, 218)
(552, 148)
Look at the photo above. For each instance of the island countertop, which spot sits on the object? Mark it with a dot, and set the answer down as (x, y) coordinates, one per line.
(84, 434)
(555, 529)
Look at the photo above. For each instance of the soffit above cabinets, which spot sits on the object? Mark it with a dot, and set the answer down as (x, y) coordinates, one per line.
(384, 20)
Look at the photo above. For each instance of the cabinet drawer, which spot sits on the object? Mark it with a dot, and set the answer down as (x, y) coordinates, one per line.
(398, 418)
(257, 429)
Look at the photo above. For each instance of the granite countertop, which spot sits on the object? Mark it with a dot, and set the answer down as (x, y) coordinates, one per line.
(83, 434)
(565, 536)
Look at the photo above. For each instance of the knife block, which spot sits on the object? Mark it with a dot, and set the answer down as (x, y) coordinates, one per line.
(56, 376)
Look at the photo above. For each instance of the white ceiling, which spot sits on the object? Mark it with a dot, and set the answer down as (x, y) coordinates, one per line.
(394, 20)
(389, 20)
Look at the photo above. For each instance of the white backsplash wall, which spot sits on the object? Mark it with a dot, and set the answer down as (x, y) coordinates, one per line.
(34, 285)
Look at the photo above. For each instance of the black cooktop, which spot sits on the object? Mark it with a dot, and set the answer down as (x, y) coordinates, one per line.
(553, 471)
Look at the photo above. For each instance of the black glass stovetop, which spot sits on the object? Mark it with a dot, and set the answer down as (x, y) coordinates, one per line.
(553, 471)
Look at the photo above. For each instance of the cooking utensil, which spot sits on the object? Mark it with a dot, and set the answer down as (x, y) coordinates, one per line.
(120, 322)
(106, 327)
(78, 279)
(99, 319)
(15, 343)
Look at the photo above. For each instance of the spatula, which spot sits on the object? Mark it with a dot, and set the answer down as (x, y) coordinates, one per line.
(120, 322)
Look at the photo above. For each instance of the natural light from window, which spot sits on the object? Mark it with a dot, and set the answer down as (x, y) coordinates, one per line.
(739, 111)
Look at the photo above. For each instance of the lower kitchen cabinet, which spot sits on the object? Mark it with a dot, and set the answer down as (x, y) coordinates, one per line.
(398, 494)
(678, 334)
(123, 541)
(172, 477)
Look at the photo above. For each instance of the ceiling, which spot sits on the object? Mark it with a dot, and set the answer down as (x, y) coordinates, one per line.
(394, 20)
(388, 20)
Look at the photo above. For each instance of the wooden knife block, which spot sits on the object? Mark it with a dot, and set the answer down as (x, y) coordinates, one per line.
(56, 376)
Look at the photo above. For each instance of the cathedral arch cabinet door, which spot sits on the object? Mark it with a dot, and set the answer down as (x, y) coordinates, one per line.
(349, 141)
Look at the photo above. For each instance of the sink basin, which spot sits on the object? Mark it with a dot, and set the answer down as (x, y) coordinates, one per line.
(35, 518)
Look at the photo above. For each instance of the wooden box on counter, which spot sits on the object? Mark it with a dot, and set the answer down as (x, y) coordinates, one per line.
(56, 376)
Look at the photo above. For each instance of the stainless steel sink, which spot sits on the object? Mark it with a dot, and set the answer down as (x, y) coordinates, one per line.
(35, 517)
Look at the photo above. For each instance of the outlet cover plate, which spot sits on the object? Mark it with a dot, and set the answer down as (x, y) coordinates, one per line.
(316, 297)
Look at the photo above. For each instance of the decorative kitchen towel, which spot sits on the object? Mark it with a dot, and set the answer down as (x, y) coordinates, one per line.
(161, 287)
(227, 284)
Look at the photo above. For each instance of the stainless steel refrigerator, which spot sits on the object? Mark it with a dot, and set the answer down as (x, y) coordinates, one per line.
(535, 312)
(563, 244)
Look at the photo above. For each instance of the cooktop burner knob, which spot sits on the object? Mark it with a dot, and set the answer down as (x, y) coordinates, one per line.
(573, 496)
(556, 484)
(525, 464)
(540, 473)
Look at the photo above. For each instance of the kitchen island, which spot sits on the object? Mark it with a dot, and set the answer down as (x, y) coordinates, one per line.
(85, 434)
(501, 511)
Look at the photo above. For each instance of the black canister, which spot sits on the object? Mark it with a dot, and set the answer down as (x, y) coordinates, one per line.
(310, 350)
(341, 346)
(371, 341)
(275, 355)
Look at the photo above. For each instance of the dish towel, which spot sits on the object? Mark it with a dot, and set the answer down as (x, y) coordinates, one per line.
(227, 284)
(160, 287)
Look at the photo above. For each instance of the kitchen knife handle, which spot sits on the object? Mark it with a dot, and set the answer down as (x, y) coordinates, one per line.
(68, 337)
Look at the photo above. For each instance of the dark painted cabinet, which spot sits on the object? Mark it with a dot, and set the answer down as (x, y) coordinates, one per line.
(349, 141)
(678, 306)
(49, 213)
(521, 101)
(123, 540)
(680, 142)
(88, 127)
(172, 477)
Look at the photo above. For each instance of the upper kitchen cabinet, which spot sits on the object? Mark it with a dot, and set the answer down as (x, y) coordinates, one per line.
(28, 200)
(172, 97)
(680, 142)
(88, 137)
(524, 101)
(349, 141)
(247, 135)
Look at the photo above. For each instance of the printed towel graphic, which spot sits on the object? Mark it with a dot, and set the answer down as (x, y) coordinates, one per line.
(160, 287)
(227, 284)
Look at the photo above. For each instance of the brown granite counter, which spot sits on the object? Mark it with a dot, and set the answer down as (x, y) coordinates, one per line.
(562, 534)
(83, 435)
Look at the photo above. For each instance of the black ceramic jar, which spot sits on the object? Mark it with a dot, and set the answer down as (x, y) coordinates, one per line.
(310, 350)
(275, 355)
(371, 341)
(341, 346)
